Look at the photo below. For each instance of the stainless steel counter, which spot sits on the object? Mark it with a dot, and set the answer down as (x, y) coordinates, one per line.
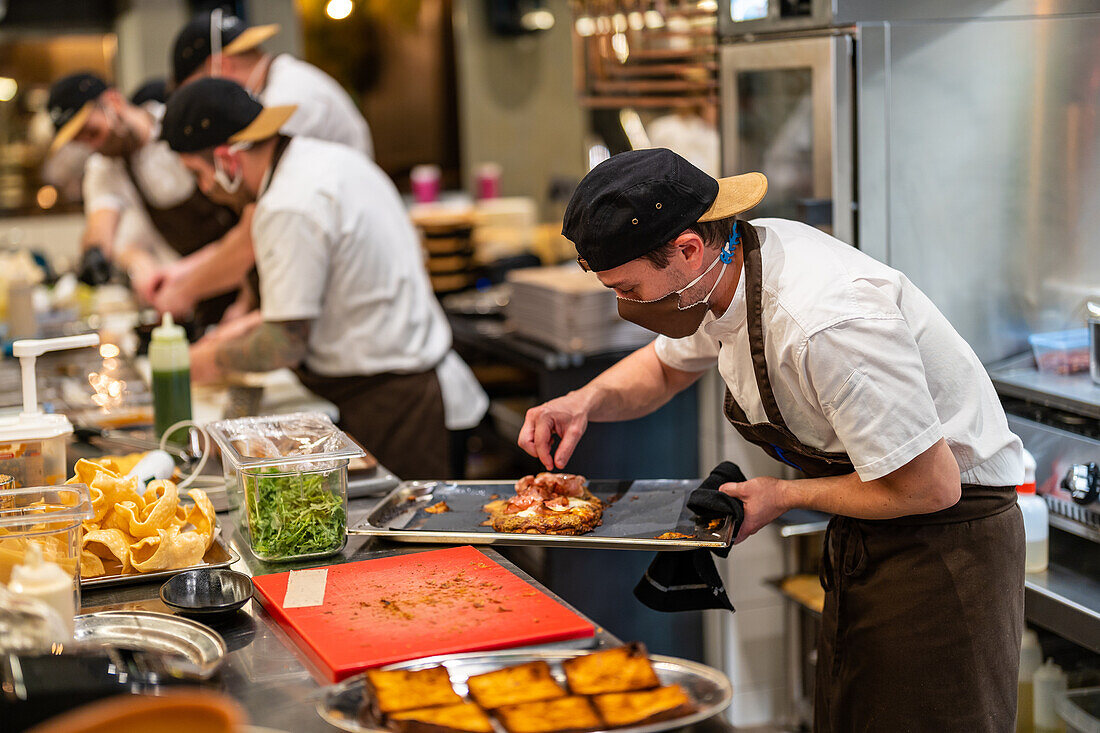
(265, 672)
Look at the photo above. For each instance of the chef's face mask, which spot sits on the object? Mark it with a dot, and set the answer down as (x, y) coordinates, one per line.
(229, 185)
(665, 315)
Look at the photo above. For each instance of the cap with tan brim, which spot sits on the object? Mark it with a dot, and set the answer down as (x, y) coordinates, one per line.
(212, 112)
(634, 202)
(71, 101)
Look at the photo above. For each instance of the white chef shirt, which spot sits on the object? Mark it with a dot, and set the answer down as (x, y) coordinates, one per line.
(860, 361)
(159, 171)
(325, 111)
(335, 246)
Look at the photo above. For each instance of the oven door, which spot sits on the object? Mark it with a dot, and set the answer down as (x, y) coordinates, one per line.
(787, 112)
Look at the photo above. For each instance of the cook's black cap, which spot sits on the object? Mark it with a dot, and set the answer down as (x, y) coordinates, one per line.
(192, 44)
(69, 103)
(153, 90)
(634, 202)
(213, 111)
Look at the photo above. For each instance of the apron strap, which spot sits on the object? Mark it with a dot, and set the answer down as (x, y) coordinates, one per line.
(754, 286)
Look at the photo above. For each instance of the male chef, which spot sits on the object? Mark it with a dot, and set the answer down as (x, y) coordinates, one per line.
(842, 369)
(220, 44)
(139, 199)
(345, 299)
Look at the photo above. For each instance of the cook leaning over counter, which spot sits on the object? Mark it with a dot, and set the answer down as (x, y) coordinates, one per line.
(345, 299)
(218, 44)
(841, 368)
(138, 196)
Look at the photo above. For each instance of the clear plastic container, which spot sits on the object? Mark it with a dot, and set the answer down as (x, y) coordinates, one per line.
(289, 476)
(50, 516)
(1061, 352)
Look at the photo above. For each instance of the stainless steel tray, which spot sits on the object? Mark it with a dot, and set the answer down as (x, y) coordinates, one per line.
(708, 688)
(637, 513)
(195, 647)
(218, 556)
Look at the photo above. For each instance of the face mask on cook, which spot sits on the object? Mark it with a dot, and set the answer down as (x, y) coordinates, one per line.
(665, 315)
(229, 185)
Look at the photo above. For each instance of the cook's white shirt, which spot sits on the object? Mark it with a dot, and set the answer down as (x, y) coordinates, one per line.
(860, 361)
(335, 246)
(325, 111)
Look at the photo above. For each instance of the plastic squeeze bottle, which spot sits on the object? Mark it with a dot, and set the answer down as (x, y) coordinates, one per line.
(171, 367)
(1036, 520)
(45, 581)
(1050, 684)
(1031, 658)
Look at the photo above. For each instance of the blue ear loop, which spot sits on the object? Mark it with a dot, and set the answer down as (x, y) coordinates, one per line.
(729, 249)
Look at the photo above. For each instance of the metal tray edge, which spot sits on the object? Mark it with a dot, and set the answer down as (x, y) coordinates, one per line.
(114, 581)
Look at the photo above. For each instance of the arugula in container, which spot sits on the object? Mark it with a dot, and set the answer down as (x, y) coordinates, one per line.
(295, 514)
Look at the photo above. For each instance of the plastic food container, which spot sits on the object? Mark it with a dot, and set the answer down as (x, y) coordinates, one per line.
(289, 476)
(1061, 352)
(1080, 709)
(50, 516)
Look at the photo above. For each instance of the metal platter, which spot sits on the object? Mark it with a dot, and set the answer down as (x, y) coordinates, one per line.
(637, 514)
(708, 688)
(198, 649)
(218, 556)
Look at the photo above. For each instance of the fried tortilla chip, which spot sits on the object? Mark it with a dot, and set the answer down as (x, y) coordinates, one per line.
(109, 544)
(159, 512)
(105, 488)
(169, 550)
(202, 517)
(90, 565)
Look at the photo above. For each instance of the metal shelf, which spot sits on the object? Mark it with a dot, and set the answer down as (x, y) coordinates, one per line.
(1017, 377)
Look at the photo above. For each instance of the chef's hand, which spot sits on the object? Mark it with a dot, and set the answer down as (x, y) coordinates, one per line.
(763, 503)
(204, 361)
(171, 296)
(146, 282)
(566, 417)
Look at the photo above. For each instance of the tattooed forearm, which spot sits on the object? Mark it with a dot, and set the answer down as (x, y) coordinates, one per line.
(271, 345)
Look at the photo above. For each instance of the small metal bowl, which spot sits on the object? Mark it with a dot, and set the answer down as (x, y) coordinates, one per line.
(207, 591)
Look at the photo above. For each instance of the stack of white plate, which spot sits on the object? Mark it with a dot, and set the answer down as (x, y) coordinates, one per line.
(570, 310)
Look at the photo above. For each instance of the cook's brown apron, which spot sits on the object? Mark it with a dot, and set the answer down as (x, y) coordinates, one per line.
(397, 417)
(923, 614)
(187, 227)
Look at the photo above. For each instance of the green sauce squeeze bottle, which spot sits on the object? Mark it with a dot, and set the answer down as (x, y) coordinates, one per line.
(171, 366)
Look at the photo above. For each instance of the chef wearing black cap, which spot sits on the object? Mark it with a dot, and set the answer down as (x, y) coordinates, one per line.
(218, 44)
(131, 175)
(839, 367)
(345, 299)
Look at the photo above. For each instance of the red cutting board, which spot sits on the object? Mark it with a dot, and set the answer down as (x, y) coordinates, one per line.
(393, 609)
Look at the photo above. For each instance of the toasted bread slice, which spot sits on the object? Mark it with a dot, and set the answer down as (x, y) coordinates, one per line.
(514, 685)
(465, 717)
(619, 709)
(550, 716)
(400, 689)
(622, 669)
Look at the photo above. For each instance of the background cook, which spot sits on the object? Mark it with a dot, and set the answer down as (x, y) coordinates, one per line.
(344, 299)
(140, 202)
(838, 366)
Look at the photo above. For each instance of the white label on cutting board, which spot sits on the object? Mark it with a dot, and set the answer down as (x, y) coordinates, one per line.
(305, 588)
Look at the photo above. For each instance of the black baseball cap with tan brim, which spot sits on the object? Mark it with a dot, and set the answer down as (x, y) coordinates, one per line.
(197, 40)
(212, 112)
(71, 100)
(634, 202)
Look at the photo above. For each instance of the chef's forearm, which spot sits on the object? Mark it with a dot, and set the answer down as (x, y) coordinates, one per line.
(100, 228)
(928, 483)
(219, 266)
(634, 387)
(269, 346)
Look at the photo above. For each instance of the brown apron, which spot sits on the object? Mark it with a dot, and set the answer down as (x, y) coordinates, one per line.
(923, 614)
(397, 417)
(187, 227)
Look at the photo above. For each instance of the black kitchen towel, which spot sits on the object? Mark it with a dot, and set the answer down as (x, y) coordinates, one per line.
(689, 581)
